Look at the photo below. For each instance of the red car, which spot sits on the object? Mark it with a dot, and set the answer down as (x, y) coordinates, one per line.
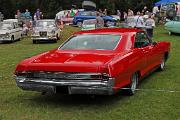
(100, 62)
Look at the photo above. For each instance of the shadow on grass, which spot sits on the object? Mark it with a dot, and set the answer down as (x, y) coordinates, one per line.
(76, 100)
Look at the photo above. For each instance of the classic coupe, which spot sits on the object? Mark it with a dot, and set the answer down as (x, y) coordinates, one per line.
(10, 30)
(98, 62)
(173, 26)
(45, 30)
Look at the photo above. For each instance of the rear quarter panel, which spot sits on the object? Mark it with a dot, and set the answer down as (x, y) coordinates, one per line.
(123, 66)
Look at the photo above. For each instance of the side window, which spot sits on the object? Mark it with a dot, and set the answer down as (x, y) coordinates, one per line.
(141, 40)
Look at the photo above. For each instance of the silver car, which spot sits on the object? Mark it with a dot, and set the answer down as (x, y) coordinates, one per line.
(10, 30)
(45, 30)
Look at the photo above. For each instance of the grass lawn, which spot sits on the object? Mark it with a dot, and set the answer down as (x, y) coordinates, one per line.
(16, 104)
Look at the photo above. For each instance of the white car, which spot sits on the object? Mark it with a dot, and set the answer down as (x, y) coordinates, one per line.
(10, 30)
(45, 30)
(89, 24)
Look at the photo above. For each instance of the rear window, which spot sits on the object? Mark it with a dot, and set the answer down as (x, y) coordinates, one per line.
(92, 42)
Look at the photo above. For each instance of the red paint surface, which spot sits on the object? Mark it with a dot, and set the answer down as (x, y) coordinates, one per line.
(120, 63)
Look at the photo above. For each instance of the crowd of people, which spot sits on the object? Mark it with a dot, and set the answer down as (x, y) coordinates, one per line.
(26, 20)
(143, 19)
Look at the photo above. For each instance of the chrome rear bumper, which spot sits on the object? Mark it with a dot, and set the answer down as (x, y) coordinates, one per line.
(43, 38)
(98, 87)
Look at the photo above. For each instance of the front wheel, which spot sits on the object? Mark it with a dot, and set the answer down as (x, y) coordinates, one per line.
(12, 39)
(162, 65)
(79, 24)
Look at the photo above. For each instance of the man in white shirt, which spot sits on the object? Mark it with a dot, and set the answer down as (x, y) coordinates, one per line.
(139, 21)
(150, 24)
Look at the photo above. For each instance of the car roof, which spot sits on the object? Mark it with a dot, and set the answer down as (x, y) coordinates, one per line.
(10, 20)
(109, 30)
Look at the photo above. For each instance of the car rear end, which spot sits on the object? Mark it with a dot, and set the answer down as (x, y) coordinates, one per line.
(66, 83)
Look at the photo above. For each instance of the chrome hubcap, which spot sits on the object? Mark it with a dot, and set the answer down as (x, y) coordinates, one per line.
(134, 82)
(162, 64)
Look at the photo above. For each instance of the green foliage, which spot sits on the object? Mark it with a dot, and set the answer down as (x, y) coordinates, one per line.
(51, 7)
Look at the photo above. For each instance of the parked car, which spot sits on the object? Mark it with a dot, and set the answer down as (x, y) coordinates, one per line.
(10, 30)
(45, 30)
(173, 26)
(86, 15)
(89, 24)
(65, 18)
(100, 61)
(170, 10)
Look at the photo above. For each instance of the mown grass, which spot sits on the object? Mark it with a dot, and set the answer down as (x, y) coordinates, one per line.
(16, 104)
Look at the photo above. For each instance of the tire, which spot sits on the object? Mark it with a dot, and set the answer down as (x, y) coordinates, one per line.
(12, 39)
(162, 65)
(57, 37)
(79, 24)
(55, 41)
(131, 88)
(109, 24)
(34, 41)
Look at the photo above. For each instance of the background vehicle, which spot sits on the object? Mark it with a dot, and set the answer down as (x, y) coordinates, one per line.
(100, 61)
(170, 10)
(173, 26)
(10, 30)
(86, 15)
(45, 30)
(89, 24)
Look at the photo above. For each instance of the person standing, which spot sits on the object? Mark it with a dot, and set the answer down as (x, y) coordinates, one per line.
(119, 14)
(149, 25)
(105, 12)
(139, 21)
(18, 14)
(72, 13)
(125, 16)
(38, 14)
(130, 12)
(27, 13)
(100, 21)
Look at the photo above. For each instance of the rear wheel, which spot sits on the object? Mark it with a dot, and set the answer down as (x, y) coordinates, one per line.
(131, 88)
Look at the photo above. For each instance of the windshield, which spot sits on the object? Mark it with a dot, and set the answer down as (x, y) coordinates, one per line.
(92, 42)
(45, 24)
(5, 26)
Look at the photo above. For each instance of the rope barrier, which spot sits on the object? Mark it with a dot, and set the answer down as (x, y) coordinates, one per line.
(155, 90)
